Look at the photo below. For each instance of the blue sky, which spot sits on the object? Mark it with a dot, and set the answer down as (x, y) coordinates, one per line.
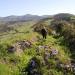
(36, 7)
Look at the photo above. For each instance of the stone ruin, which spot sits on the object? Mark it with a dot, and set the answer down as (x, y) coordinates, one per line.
(21, 45)
(25, 44)
(48, 51)
(69, 66)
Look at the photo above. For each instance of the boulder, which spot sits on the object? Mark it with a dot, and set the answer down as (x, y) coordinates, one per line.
(11, 49)
(25, 44)
(54, 52)
(19, 46)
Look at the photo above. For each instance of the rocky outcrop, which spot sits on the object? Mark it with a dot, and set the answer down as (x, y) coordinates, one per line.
(11, 49)
(20, 46)
(48, 50)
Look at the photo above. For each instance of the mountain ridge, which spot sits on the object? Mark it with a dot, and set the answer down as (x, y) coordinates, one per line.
(33, 17)
(22, 18)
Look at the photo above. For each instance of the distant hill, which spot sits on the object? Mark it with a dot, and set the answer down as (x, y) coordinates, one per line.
(29, 17)
(12, 21)
(24, 52)
(22, 18)
(64, 16)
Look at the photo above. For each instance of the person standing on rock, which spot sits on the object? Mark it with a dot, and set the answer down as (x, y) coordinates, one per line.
(44, 32)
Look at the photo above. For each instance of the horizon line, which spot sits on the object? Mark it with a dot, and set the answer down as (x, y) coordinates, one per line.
(37, 14)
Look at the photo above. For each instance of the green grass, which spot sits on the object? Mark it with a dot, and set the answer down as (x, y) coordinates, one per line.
(8, 67)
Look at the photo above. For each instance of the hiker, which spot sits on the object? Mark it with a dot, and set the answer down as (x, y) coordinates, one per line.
(44, 32)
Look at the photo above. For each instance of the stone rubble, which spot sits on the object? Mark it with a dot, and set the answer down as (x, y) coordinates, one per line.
(21, 45)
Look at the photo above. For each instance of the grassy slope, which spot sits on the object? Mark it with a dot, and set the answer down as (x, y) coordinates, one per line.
(10, 68)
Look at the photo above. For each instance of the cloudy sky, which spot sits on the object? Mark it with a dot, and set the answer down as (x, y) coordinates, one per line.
(36, 7)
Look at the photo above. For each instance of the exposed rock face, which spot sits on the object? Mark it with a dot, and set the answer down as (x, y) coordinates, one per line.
(20, 46)
(25, 44)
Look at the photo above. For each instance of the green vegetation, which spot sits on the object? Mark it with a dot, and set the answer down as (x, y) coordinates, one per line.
(40, 51)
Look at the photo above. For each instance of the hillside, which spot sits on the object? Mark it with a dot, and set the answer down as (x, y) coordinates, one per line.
(23, 51)
(26, 17)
